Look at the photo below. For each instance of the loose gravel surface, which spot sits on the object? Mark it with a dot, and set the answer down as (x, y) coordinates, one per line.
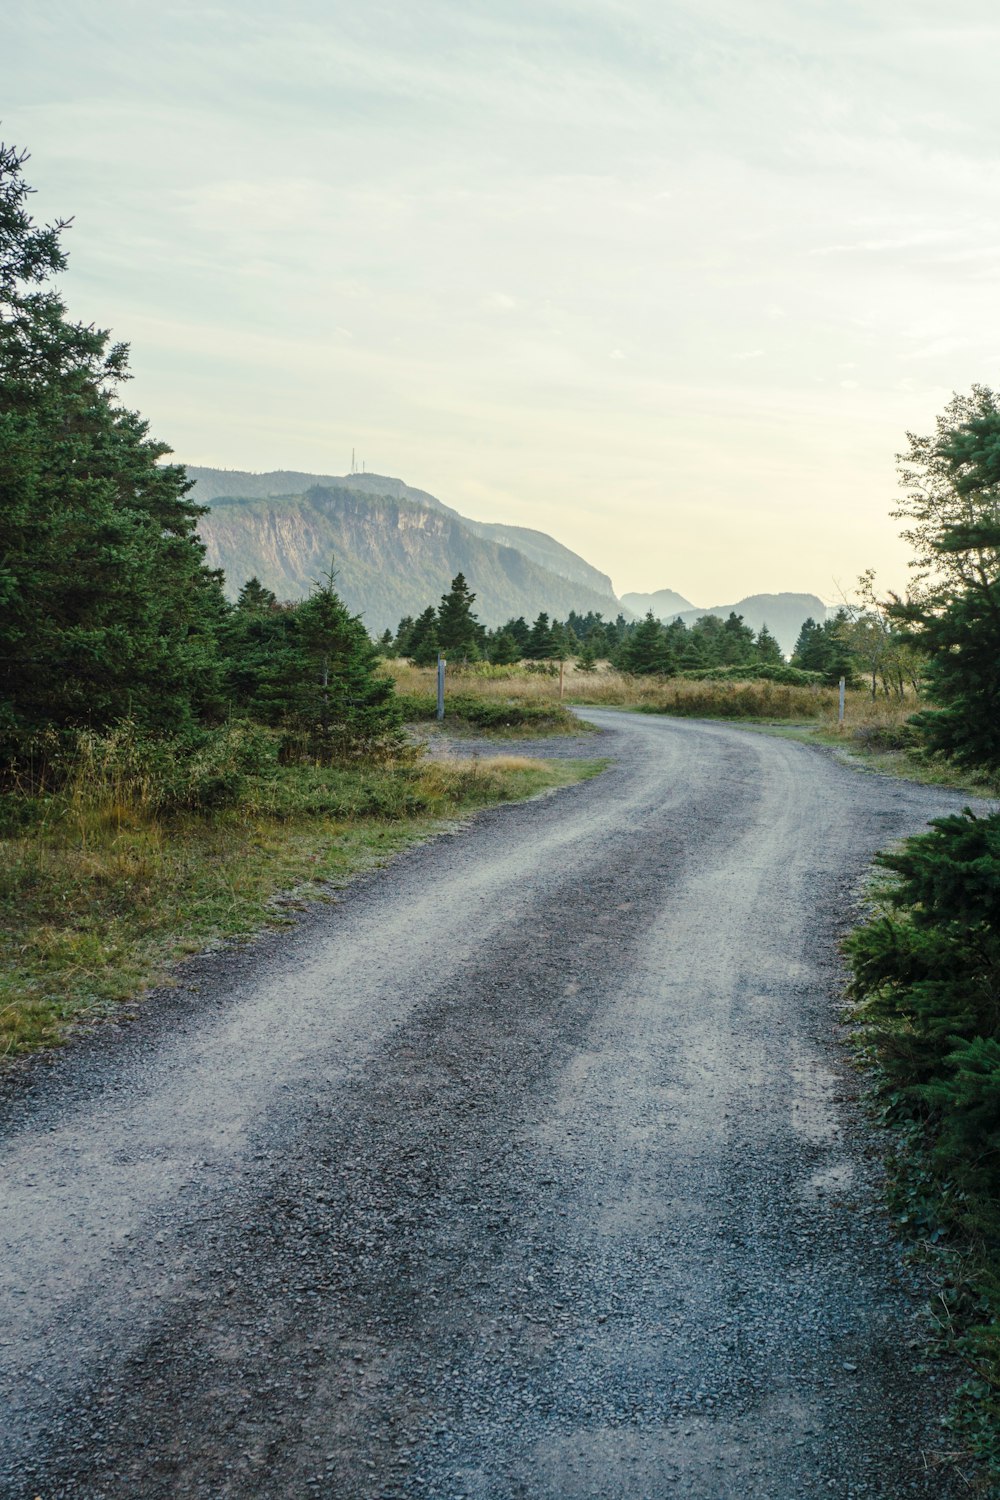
(531, 1167)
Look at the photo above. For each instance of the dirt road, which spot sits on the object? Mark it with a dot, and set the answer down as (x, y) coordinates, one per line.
(530, 1168)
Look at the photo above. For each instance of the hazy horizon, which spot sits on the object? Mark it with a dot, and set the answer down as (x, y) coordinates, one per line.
(668, 282)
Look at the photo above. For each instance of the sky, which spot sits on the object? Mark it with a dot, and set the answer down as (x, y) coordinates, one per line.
(667, 280)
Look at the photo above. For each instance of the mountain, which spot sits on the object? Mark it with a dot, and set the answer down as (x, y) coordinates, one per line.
(395, 549)
(214, 484)
(783, 614)
(665, 604)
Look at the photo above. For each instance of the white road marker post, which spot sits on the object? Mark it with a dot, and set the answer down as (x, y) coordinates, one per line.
(441, 666)
(840, 713)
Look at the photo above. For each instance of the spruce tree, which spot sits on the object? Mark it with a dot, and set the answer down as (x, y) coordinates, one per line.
(333, 692)
(256, 643)
(108, 608)
(458, 630)
(953, 483)
(503, 649)
(540, 645)
(520, 630)
(767, 652)
(646, 651)
(422, 646)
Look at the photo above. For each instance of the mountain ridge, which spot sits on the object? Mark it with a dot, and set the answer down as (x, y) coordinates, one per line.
(391, 557)
(396, 548)
(234, 484)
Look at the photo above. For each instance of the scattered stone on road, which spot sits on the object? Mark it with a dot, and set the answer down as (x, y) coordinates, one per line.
(530, 1168)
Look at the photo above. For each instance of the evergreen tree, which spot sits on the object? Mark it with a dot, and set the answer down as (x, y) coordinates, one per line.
(257, 650)
(562, 643)
(767, 652)
(953, 481)
(540, 645)
(705, 639)
(694, 656)
(458, 631)
(824, 648)
(597, 640)
(677, 639)
(401, 643)
(809, 652)
(587, 659)
(735, 642)
(503, 649)
(928, 974)
(332, 691)
(108, 608)
(422, 647)
(958, 631)
(645, 651)
(254, 597)
(520, 630)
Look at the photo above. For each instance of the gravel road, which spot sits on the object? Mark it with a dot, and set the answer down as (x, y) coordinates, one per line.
(531, 1167)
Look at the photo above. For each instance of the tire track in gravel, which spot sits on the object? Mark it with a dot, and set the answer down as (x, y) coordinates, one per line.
(528, 1169)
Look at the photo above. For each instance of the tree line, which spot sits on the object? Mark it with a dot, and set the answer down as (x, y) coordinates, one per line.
(861, 643)
(108, 611)
(642, 647)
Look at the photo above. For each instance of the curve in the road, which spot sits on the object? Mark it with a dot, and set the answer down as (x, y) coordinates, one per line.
(529, 1168)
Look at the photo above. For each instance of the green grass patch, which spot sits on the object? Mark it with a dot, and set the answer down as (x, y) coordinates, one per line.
(506, 717)
(100, 896)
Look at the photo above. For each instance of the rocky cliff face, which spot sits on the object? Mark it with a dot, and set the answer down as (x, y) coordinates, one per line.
(214, 484)
(392, 556)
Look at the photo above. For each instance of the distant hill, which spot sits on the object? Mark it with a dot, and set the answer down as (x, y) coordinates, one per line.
(665, 604)
(783, 614)
(395, 549)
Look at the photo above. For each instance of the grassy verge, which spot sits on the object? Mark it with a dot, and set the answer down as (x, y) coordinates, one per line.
(506, 718)
(483, 695)
(512, 700)
(98, 897)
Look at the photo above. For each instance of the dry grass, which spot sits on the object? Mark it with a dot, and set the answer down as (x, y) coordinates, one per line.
(99, 894)
(610, 689)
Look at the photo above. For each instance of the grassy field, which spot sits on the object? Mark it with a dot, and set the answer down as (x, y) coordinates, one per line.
(875, 732)
(522, 688)
(100, 893)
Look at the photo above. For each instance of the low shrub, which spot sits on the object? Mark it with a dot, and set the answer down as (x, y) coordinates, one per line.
(887, 736)
(926, 986)
(791, 676)
(125, 769)
(493, 714)
(757, 699)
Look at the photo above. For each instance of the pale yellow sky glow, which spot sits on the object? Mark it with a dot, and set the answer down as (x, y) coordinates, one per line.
(669, 281)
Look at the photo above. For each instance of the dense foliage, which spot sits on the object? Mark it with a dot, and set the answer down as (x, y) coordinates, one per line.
(643, 648)
(926, 968)
(953, 504)
(109, 613)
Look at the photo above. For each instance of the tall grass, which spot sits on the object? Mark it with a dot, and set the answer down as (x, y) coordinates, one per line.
(114, 867)
(611, 689)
